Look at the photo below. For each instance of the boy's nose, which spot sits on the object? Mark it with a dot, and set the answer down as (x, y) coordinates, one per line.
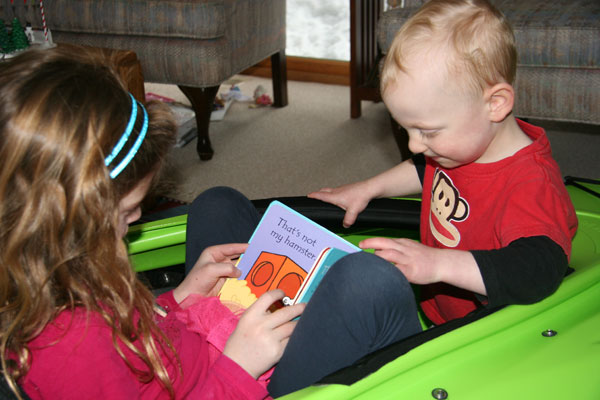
(415, 144)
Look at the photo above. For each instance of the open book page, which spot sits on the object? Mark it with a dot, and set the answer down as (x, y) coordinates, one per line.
(282, 251)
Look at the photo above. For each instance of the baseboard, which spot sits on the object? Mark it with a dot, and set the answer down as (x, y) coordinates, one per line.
(305, 69)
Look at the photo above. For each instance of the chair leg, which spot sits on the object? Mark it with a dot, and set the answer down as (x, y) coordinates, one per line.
(401, 137)
(279, 74)
(202, 100)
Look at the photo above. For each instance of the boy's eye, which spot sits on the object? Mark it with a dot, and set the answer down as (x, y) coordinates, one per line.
(428, 132)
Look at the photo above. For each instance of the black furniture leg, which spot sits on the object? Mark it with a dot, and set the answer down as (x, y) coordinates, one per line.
(279, 76)
(202, 100)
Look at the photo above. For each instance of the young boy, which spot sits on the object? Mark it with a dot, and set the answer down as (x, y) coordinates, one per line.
(496, 220)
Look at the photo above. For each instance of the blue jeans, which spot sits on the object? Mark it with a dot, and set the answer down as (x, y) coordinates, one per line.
(363, 304)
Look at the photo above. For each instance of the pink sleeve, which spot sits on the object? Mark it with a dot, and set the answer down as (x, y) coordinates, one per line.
(81, 362)
(229, 371)
(73, 368)
(227, 380)
(168, 302)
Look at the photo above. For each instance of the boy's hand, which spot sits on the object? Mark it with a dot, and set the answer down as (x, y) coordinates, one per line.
(352, 198)
(422, 264)
(419, 263)
(258, 341)
(214, 266)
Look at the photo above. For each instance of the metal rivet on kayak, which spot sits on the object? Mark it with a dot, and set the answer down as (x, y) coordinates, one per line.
(549, 333)
(439, 394)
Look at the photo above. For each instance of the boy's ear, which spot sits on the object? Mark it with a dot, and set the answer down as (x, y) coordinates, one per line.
(500, 100)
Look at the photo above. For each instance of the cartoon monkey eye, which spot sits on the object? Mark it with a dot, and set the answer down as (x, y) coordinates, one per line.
(447, 203)
(441, 195)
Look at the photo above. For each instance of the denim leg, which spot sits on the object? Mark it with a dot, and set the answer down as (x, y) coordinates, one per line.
(217, 216)
(363, 304)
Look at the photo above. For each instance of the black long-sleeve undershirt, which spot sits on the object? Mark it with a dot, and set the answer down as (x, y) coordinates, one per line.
(526, 271)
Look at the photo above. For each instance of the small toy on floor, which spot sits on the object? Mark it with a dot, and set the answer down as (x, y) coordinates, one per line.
(261, 98)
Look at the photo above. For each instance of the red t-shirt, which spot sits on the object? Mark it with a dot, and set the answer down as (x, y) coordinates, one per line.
(487, 206)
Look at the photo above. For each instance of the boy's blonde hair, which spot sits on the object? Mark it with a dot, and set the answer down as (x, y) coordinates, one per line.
(476, 37)
(60, 115)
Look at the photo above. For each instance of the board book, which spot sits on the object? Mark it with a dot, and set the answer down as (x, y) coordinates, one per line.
(287, 251)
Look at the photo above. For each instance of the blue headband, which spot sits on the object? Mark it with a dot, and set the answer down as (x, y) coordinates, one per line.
(136, 146)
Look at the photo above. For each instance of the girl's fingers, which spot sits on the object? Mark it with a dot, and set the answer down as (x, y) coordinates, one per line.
(225, 270)
(279, 317)
(286, 314)
(285, 330)
(228, 251)
(265, 301)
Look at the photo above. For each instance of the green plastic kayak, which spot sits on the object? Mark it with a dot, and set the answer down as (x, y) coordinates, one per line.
(547, 350)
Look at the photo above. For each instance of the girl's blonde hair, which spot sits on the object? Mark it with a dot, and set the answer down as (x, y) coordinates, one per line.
(60, 116)
(475, 36)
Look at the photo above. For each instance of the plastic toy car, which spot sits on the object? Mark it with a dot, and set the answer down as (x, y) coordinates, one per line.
(547, 350)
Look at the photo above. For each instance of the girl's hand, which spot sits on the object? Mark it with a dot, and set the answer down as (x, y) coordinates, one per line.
(258, 341)
(214, 266)
(352, 198)
(419, 263)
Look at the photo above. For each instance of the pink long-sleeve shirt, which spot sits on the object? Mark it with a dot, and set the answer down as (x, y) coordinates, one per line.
(74, 358)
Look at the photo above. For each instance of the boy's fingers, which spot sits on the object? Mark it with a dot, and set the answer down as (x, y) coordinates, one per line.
(376, 243)
(320, 191)
(366, 244)
(349, 219)
(326, 195)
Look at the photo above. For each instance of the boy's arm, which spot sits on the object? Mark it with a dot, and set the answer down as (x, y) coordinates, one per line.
(524, 272)
(400, 180)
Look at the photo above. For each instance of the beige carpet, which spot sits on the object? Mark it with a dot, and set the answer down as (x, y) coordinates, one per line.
(312, 143)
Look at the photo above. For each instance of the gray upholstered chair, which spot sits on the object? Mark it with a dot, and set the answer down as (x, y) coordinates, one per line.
(558, 43)
(196, 44)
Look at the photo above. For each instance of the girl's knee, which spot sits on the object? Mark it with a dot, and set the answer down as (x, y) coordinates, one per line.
(367, 272)
(220, 195)
(367, 266)
(219, 202)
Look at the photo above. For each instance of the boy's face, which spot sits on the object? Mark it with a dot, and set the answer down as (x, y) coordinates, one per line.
(442, 122)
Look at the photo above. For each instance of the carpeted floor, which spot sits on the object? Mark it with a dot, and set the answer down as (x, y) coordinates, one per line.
(312, 143)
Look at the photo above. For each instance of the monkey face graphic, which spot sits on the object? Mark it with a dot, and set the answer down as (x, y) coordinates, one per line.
(446, 206)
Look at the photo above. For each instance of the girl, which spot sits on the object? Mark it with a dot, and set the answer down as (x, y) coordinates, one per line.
(79, 154)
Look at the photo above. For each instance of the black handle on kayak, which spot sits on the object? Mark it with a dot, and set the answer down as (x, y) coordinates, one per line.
(380, 213)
